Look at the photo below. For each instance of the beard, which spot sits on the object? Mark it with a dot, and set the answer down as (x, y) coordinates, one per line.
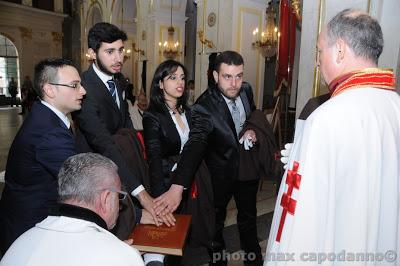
(102, 67)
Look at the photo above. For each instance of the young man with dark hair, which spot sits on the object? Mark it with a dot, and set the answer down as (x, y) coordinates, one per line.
(40, 147)
(218, 117)
(105, 108)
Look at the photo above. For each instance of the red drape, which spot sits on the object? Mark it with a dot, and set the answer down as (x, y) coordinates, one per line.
(287, 43)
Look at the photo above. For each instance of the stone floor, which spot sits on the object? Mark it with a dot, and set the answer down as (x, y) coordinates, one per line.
(10, 121)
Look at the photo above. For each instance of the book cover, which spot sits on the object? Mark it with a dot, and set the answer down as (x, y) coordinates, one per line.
(162, 239)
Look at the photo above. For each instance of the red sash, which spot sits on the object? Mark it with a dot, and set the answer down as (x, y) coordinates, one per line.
(369, 77)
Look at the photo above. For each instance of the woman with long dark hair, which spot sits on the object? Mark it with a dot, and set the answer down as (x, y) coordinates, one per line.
(166, 123)
(166, 128)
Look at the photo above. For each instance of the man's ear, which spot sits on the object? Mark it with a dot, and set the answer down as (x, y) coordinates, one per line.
(92, 54)
(48, 91)
(104, 201)
(341, 49)
(215, 74)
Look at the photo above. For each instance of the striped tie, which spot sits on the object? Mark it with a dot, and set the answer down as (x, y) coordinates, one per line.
(113, 91)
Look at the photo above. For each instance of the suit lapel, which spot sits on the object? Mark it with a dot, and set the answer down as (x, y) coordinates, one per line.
(121, 97)
(119, 90)
(170, 127)
(245, 102)
(42, 108)
(224, 110)
(102, 89)
(188, 114)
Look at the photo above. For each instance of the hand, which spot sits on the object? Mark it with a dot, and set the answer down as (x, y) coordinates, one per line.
(129, 242)
(148, 204)
(285, 154)
(147, 218)
(248, 139)
(169, 201)
(167, 218)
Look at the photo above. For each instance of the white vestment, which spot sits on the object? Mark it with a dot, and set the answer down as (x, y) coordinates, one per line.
(65, 241)
(348, 200)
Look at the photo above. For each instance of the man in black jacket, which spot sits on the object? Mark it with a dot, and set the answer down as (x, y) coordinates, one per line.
(218, 117)
(105, 109)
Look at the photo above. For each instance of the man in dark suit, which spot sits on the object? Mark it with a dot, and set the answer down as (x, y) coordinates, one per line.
(40, 147)
(105, 109)
(218, 117)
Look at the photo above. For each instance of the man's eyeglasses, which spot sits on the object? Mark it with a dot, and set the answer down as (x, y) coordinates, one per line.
(75, 86)
(121, 194)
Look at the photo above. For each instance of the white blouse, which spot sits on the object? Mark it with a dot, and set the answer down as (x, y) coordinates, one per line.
(183, 134)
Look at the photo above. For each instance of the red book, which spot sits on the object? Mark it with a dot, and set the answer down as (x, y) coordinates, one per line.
(162, 239)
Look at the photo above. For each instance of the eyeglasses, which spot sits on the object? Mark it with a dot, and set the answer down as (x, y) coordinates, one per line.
(121, 194)
(75, 86)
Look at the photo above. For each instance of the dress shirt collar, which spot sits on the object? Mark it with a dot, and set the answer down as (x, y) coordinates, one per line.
(104, 77)
(227, 100)
(237, 100)
(63, 117)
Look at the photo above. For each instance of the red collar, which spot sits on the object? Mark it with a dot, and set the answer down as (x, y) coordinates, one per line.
(369, 77)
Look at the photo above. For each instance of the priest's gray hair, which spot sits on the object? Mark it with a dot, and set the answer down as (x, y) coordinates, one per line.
(360, 31)
(82, 176)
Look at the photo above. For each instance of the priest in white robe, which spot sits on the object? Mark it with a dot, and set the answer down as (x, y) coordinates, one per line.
(339, 200)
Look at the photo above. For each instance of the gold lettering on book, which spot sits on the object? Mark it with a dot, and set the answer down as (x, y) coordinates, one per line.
(155, 235)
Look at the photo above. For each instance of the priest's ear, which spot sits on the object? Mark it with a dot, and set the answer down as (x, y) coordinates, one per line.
(341, 49)
(103, 203)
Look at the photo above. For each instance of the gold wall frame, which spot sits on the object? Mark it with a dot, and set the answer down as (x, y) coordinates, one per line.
(317, 74)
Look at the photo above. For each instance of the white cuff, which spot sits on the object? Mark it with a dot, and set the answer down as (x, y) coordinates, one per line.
(137, 190)
(148, 257)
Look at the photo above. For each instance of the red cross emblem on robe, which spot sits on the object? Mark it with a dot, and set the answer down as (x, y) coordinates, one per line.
(288, 204)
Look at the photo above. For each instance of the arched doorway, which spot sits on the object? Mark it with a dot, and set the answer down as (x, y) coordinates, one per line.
(9, 64)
